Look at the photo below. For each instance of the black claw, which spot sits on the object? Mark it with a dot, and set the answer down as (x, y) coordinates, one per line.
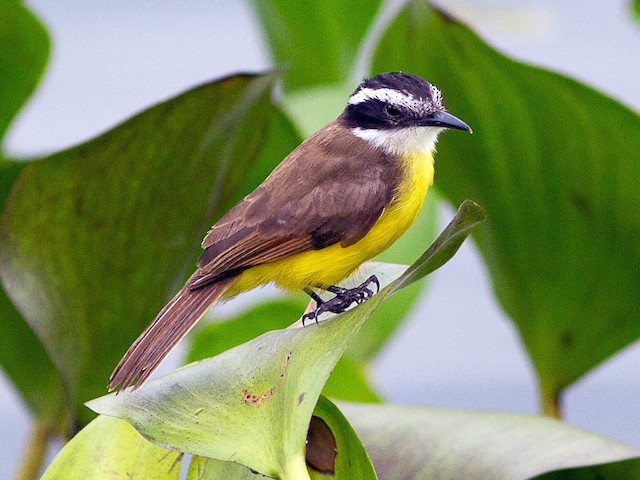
(310, 316)
(344, 298)
(374, 279)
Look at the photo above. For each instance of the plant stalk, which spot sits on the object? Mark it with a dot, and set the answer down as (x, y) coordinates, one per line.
(35, 452)
(295, 469)
(551, 405)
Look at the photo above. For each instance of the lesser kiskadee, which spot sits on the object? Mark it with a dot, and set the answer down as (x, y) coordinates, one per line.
(340, 198)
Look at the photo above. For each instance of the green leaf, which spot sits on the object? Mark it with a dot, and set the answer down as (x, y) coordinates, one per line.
(24, 51)
(636, 9)
(202, 468)
(96, 238)
(555, 165)
(624, 469)
(214, 338)
(109, 448)
(261, 393)
(332, 448)
(314, 107)
(347, 381)
(415, 442)
(30, 368)
(469, 215)
(317, 42)
(22, 356)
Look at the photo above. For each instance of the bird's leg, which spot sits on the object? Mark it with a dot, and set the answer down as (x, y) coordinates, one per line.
(343, 299)
(319, 301)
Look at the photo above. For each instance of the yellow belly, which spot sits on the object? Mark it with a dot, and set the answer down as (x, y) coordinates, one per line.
(321, 268)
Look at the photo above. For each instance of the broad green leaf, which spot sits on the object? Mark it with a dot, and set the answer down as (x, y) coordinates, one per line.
(30, 368)
(636, 9)
(417, 443)
(202, 468)
(333, 448)
(469, 216)
(96, 238)
(624, 469)
(214, 338)
(311, 109)
(556, 166)
(252, 404)
(24, 50)
(22, 355)
(109, 448)
(314, 107)
(348, 381)
(317, 42)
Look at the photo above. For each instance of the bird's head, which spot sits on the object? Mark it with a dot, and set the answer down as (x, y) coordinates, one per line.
(399, 113)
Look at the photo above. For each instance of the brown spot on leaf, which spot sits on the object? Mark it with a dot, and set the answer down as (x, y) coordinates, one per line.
(321, 447)
(255, 399)
(286, 366)
(300, 398)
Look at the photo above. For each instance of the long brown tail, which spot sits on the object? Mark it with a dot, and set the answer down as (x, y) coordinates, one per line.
(165, 331)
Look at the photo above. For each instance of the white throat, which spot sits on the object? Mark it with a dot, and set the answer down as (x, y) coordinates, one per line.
(401, 142)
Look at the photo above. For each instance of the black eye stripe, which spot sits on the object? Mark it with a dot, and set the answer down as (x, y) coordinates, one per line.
(379, 114)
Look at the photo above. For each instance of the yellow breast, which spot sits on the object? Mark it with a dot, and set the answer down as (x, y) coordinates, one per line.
(329, 265)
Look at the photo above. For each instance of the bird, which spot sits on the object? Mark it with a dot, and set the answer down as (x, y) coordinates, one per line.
(342, 196)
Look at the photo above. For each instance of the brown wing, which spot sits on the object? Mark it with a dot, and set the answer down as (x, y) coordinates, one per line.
(312, 200)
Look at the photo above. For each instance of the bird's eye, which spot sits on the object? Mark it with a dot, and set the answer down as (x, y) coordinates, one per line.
(392, 111)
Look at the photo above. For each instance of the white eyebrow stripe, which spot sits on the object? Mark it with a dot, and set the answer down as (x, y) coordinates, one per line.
(436, 95)
(385, 95)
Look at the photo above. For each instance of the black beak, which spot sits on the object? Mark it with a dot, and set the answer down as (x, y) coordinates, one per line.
(445, 120)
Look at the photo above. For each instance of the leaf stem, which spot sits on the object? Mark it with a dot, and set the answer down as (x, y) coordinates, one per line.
(295, 469)
(35, 451)
(551, 405)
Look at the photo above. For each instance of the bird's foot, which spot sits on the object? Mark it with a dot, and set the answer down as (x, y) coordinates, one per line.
(344, 298)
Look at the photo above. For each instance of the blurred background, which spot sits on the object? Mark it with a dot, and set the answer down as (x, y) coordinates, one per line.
(457, 349)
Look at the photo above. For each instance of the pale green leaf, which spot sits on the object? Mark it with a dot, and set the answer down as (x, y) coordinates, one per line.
(109, 448)
(202, 468)
(423, 443)
(252, 404)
